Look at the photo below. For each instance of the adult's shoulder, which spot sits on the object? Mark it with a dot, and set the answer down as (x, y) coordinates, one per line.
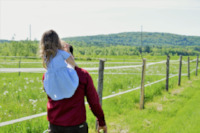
(81, 71)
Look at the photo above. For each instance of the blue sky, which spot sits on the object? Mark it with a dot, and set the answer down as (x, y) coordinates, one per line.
(92, 17)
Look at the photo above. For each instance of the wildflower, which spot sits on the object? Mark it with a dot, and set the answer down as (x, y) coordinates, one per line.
(113, 92)
(5, 92)
(33, 102)
(25, 87)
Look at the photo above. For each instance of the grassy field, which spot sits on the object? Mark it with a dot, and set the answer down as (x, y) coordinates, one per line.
(176, 111)
(23, 96)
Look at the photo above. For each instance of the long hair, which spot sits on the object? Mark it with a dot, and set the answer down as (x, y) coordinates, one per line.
(49, 44)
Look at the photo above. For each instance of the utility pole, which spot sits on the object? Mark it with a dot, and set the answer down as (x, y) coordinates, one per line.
(141, 43)
(30, 32)
(0, 18)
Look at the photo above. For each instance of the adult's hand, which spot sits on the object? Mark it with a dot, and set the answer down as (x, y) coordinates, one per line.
(104, 128)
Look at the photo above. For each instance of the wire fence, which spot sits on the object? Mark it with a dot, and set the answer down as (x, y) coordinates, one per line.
(157, 69)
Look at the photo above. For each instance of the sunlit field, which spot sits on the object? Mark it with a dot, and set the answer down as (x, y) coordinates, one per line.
(22, 94)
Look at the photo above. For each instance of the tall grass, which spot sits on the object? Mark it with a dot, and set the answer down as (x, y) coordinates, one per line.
(23, 95)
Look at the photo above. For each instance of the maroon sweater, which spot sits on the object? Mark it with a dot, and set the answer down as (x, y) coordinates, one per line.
(71, 111)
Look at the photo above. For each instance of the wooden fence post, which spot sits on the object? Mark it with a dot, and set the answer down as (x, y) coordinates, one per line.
(19, 65)
(180, 67)
(142, 85)
(197, 65)
(100, 79)
(167, 73)
(100, 82)
(188, 67)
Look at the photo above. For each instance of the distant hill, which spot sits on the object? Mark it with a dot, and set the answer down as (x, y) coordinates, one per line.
(134, 39)
(2, 41)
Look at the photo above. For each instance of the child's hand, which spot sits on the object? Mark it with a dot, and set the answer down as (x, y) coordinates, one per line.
(72, 56)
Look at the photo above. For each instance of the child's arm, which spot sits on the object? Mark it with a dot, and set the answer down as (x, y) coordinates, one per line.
(71, 61)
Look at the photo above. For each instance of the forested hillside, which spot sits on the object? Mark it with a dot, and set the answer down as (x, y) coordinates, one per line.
(114, 44)
(134, 39)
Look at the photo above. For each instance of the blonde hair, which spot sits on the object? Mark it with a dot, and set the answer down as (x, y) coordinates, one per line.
(49, 44)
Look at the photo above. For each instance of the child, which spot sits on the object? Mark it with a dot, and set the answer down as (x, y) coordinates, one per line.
(61, 80)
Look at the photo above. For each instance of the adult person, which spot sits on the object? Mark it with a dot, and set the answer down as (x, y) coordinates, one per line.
(69, 115)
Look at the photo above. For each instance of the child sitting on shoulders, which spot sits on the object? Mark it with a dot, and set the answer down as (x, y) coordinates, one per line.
(61, 80)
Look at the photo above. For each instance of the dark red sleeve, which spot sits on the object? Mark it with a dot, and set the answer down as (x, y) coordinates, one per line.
(93, 100)
(43, 77)
(43, 80)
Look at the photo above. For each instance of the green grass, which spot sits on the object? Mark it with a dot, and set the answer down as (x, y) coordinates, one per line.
(23, 96)
(169, 112)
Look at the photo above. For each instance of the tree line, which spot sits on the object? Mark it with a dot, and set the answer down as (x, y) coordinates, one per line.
(27, 48)
(134, 39)
(128, 43)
